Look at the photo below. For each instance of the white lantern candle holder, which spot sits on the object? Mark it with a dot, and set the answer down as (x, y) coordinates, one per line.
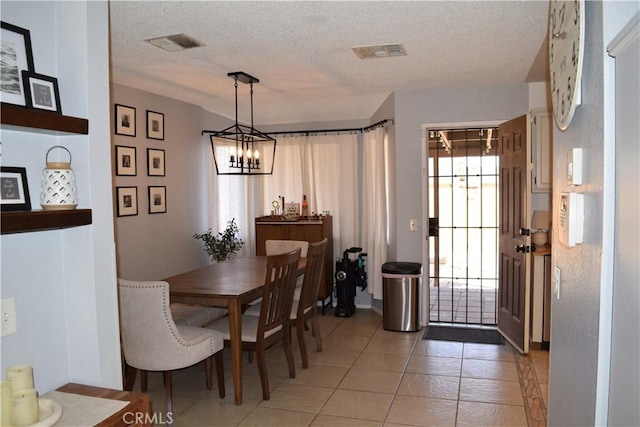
(58, 186)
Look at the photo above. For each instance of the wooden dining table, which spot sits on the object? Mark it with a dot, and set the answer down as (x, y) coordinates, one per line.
(229, 284)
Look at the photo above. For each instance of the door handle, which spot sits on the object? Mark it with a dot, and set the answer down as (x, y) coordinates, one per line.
(525, 232)
(433, 227)
(523, 248)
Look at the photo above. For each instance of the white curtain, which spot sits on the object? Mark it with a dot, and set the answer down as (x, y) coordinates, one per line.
(324, 168)
(374, 207)
(231, 197)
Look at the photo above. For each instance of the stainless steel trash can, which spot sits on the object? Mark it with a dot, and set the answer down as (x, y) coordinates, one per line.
(401, 282)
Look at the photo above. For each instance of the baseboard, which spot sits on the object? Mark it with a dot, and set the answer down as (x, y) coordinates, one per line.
(376, 310)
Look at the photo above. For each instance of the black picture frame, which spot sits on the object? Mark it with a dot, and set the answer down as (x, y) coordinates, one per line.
(157, 199)
(126, 161)
(16, 55)
(127, 201)
(155, 125)
(14, 189)
(155, 162)
(125, 120)
(41, 92)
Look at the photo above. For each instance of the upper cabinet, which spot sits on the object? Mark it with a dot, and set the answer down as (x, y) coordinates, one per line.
(541, 150)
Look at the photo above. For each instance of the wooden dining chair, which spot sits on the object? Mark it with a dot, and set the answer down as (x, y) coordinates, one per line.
(276, 247)
(151, 341)
(273, 324)
(305, 309)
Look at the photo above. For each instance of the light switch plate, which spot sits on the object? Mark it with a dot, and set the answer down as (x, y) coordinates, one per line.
(8, 321)
(575, 175)
(413, 224)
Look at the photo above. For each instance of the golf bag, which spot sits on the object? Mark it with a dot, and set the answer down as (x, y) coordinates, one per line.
(349, 274)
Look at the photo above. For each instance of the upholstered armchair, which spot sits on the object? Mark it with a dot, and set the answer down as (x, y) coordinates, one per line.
(152, 341)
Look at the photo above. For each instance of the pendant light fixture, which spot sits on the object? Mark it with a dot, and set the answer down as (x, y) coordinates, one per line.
(241, 149)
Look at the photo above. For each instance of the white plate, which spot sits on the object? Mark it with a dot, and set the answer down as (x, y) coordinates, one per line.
(50, 412)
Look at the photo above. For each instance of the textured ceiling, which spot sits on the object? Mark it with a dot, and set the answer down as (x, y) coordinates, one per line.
(301, 52)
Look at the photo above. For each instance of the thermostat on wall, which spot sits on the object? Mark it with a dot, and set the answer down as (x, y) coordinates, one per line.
(571, 218)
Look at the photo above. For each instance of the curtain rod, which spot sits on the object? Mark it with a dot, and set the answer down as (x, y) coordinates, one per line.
(320, 131)
(308, 132)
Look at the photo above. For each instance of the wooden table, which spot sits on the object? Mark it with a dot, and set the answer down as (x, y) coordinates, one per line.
(137, 412)
(230, 284)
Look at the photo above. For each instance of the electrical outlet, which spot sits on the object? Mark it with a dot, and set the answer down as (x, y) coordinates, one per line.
(8, 321)
(413, 224)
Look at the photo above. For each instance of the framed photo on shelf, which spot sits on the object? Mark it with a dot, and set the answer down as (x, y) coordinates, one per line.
(14, 190)
(127, 201)
(41, 91)
(155, 162)
(155, 125)
(15, 56)
(157, 199)
(125, 160)
(125, 120)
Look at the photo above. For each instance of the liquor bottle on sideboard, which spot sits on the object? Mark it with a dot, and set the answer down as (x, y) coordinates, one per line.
(305, 207)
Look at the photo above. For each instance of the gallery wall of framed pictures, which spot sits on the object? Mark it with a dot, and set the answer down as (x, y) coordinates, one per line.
(21, 84)
(129, 149)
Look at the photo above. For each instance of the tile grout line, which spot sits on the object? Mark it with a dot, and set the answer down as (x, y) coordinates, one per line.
(345, 375)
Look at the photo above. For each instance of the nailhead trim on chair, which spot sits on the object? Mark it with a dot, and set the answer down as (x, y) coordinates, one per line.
(166, 318)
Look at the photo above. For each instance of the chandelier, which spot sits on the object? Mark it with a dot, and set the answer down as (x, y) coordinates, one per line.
(241, 149)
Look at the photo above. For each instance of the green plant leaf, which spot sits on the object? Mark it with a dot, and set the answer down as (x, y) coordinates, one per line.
(223, 245)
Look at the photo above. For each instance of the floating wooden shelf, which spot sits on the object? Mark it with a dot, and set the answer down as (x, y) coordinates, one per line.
(20, 222)
(15, 117)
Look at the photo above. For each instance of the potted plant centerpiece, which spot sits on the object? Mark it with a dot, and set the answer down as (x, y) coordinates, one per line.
(224, 245)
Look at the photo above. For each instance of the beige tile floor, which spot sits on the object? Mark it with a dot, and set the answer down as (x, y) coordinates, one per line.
(367, 376)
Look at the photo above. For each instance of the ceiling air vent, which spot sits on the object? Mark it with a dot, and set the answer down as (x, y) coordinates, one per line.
(380, 51)
(175, 42)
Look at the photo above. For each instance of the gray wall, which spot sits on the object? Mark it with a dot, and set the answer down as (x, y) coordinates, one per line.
(63, 281)
(580, 319)
(413, 110)
(155, 246)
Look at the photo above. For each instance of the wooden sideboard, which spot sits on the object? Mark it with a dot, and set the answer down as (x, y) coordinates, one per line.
(305, 230)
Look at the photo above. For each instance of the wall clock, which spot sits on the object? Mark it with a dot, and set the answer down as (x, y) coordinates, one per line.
(566, 50)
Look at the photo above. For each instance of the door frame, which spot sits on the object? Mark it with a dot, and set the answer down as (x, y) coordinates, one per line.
(625, 33)
(424, 292)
